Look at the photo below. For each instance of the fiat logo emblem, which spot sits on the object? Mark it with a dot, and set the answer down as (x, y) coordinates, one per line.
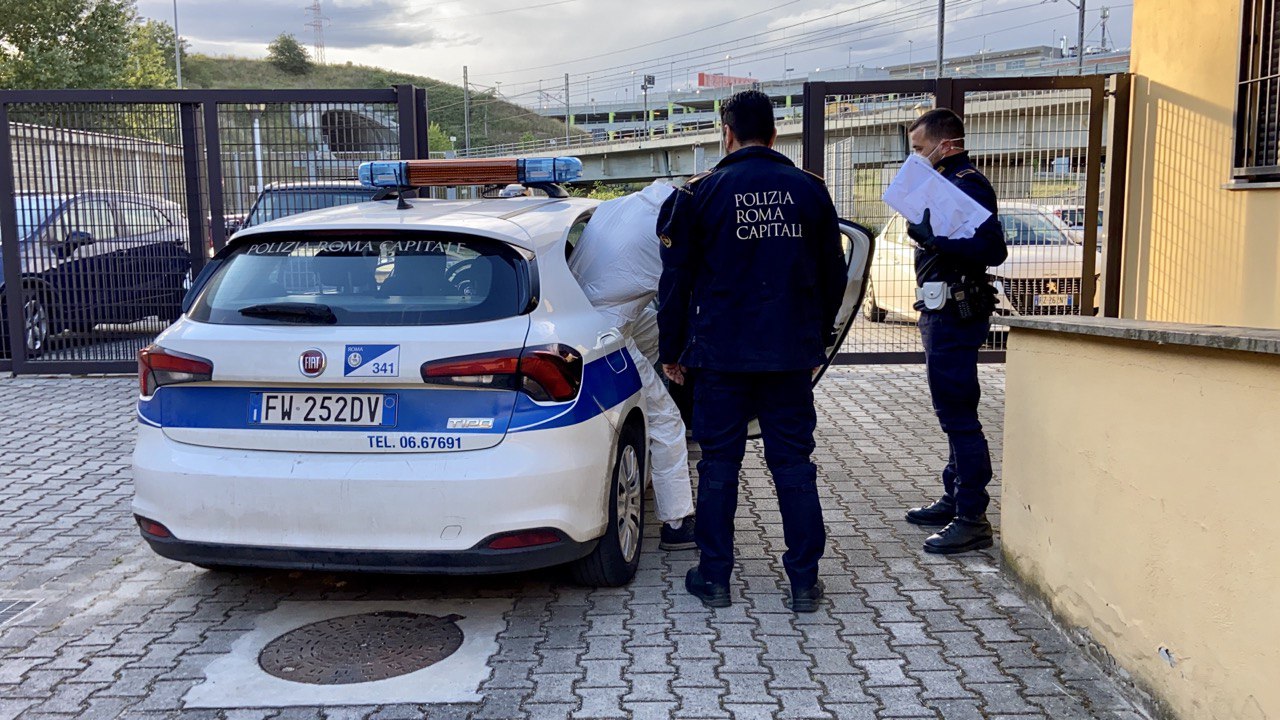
(311, 363)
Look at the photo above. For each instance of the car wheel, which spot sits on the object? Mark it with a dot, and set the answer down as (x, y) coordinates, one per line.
(36, 322)
(870, 310)
(617, 555)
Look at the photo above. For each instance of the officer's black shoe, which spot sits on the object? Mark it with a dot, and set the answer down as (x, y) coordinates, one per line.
(680, 538)
(713, 595)
(961, 535)
(805, 600)
(938, 514)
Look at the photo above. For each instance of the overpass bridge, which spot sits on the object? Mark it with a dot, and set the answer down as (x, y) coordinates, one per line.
(1030, 143)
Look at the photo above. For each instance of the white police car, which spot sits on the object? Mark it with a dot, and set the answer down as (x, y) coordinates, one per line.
(402, 386)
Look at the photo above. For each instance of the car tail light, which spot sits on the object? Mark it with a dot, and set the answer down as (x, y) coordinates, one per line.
(548, 373)
(523, 539)
(551, 373)
(158, 367)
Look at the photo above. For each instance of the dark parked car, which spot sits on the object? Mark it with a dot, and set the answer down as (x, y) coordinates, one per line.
(95, 257)
(283, 199)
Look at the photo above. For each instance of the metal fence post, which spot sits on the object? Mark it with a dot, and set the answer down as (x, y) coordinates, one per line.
(1092, 187)
(813, 142)
(213, 163)
(1117, 191)
(949, 93)
(408, 116)
(422, 122)
(191, 175)
(11, 253)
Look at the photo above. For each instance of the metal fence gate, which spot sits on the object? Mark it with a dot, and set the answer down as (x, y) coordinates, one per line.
(111, 200)
(1042, 141)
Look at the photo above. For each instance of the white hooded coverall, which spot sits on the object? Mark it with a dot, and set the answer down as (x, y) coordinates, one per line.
(617, 262)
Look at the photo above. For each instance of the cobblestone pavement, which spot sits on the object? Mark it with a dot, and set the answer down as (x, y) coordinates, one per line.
(120, 632)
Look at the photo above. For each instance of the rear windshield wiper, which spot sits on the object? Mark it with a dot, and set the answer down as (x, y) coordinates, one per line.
(303, 313)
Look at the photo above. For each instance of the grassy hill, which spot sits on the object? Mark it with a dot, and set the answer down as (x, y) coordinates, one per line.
(493, 121)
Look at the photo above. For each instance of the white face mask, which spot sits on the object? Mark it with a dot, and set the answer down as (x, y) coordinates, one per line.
(940, 147)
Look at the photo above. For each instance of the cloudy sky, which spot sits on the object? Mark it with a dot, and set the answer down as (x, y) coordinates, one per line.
(523, 46)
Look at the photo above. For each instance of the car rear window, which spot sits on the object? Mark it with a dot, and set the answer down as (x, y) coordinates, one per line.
(366, 278)
(275, 204)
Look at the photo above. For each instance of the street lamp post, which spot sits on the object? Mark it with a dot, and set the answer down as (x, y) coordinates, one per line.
(942, 14)
(255, 111)
(645, 84)
(177, 44)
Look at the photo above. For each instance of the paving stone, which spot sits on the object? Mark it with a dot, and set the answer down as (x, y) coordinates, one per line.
(901, 701)
(650, 688)
(902, 634)
(740, 711)
(649, 710)
(600, 702)
(957, 709)
(700, 702)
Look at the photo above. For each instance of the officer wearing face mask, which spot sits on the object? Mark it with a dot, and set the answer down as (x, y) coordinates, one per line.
(956, 269)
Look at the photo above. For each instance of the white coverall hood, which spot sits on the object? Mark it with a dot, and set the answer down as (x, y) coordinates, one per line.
(617, 260)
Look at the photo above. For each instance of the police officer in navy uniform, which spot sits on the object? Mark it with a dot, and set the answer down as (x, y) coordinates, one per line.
(953, 335)
(753, 275)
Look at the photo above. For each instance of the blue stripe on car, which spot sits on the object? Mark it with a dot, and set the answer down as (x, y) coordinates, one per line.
(606, 382)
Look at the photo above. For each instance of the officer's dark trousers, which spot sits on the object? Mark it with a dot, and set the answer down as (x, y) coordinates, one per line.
(722, 405)
(951, 356)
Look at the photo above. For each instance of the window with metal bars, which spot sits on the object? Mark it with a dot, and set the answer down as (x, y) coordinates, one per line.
(1257, 131)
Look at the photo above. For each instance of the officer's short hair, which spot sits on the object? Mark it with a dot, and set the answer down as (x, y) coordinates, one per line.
(750, 115)
(939, 124)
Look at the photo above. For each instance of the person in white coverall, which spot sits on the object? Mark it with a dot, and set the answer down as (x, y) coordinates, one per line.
(617, 263)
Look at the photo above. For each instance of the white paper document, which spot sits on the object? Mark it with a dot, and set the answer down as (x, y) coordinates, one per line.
(918, 186)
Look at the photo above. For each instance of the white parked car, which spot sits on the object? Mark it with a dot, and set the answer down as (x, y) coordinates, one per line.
(424, 389)
(1041, 276)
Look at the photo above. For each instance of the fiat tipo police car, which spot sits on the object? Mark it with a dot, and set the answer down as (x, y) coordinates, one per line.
(405, 385)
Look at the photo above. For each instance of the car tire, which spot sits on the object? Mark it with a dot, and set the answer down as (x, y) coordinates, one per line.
(617, 556)
(870, 310)
(37, 324)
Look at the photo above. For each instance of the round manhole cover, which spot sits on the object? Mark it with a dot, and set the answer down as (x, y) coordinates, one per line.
(361, 648)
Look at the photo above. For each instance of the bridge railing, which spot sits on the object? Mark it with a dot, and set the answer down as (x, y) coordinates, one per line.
(602, 138)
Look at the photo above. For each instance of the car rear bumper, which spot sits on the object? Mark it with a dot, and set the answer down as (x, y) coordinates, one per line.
(477, 560)
(423, 510)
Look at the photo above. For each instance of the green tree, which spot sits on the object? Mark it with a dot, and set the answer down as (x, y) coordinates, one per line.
(64, 43)
(288, 55)
(437, 139)
(150, 62)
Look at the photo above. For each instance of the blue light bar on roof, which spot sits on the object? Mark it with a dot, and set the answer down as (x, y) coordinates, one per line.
(489, 171)
(552, 170)
(385, 173)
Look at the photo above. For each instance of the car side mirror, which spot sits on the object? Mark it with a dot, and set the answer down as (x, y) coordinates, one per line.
(74, 240)
(77, 239)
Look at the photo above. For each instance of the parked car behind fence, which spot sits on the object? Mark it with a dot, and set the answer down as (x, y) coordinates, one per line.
(94, 257)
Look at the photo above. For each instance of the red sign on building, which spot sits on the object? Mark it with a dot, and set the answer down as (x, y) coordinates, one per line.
(718, 80)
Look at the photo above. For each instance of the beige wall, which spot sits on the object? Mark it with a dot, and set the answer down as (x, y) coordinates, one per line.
(1141, 493)
(1195, 252)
